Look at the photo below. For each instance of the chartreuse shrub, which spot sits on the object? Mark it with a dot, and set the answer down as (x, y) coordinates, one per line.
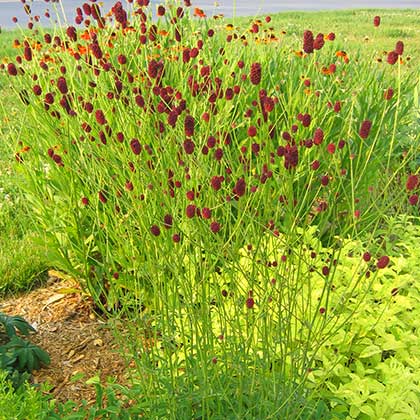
(353, 325)
(205, 180)
(370, 369)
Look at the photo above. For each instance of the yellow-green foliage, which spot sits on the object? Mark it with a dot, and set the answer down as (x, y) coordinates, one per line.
(370, 369)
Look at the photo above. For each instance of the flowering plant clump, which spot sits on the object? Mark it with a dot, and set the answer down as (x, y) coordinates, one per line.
(175, 169)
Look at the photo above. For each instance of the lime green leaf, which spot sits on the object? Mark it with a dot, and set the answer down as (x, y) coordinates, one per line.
(370, 351)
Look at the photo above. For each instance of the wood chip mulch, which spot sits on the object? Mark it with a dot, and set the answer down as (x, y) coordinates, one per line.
(77, 341)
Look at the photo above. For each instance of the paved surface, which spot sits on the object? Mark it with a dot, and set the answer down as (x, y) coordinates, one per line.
(10, 8)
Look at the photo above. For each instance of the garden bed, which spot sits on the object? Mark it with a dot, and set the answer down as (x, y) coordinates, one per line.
(79, 343)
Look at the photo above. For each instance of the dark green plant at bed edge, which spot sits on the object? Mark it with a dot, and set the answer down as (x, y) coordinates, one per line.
(18, 356)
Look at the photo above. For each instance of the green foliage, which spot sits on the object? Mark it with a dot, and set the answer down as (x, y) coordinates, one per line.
(23, 402)
(26, 402)
(24, 355)
(12, 324)
(370, 369)
(18, 356)
(113, 402)
(22, 254)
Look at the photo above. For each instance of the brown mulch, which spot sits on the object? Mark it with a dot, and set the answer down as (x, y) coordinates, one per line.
(77, 341)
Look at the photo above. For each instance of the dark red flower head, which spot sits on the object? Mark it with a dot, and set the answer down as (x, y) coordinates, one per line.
(319, 42)
(27, 53)
(413, 199)
(389, 93)
(331, 148)
(291, 156)
(86, 9)
(135, 146)
(120, 14)
(337, 106)
(399, 47)
(102, 197)
(49, 98)
(11, 69)
(190, 210)
(71, 33)
(218, 154)
(215, 227)
(383, 262)
(392, 57)
(240, 187)
(206, 213)
(325, 180)
(306, 120)
(308, 42)
(216, 183)
(100, 117)
(189, 126)
(250, 303)
(318, 136)
(129, 186)
(255, 73)
(365, 129)
(172, 118)
(412, 182)
(153, 69)
(252, 131)
(122, 59)
(376, 21)
(96, 50)
(155, 231)
(315, 165)
(37, 90)
(189, 146)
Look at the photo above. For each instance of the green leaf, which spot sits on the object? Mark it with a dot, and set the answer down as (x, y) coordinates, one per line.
(367, 409)
(28, 356)
(354, 411)
(13, 323)
(42, 355)
(370, 351)
(93, 380)
(77, 376)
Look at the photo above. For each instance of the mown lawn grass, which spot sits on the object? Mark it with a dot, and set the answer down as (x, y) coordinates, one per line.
(354, 29)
